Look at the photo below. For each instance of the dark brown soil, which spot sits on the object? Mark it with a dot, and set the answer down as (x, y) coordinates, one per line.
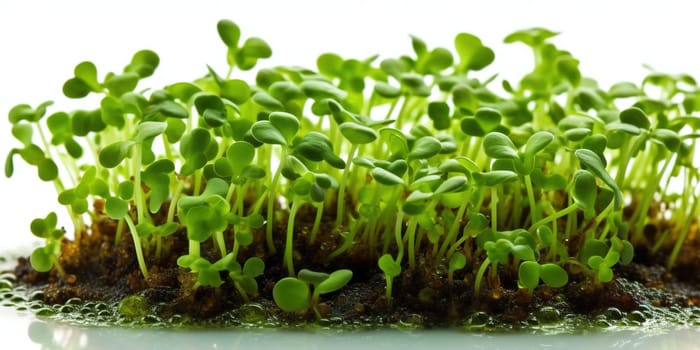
(97, 269)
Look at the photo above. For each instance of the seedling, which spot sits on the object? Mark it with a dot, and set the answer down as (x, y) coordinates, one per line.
(413, 163)
(293, 294)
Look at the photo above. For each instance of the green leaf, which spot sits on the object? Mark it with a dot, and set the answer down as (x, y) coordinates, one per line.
(546, 236)
(624, 89)
(453, 184)
(495, 177)
(143, 63)
(473, 55)
(531, 37)
(114, 154)
(112, 111)
(357, 134)
(48, 171)
(529, 274)
(336, 280)
(116, 208)
(319, 90)
(148, 130)
(592, 247)
(537, 142)
(41, 260)
(229, 32)
(291, 294)
(389, 266)
(387, 90)
(254, 267)
(235, 90)
(75, 88)
(286, 123)
(438, 60)
(263, 131)
(23, 132)
(122, 83)
(386, 177)
(568, 68)
(668, 138)
(457, 261)
(523, 252)
(553, 275)
(593, 163)
(636, 117)
(264, 99)
(584, 192)
(330, 64)
(499, 146)
(627, 253)
(87, 73)
(425, 147)
(439, 112)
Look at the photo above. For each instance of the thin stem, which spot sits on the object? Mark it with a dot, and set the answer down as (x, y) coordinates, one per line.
(138, 192)
(398, 236)
(270, 209)
(480, 276)
(534, 213)
(343, 183)
(411, 234)
(494, 208)
(553, 217)
(289, 243)
(137, 246)
(220, 242)
(317, 223)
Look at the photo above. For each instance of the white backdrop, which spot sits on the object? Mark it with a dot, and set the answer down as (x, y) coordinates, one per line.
(41, 41)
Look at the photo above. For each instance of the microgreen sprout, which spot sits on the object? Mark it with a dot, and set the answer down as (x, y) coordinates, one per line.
(410, 162)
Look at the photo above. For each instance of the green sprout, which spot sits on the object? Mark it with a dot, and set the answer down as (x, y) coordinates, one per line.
(293, 294)
(416, 163)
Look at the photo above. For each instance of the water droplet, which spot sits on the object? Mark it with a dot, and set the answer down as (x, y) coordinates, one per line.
(252, 313)
(613, 313)
(636, 316)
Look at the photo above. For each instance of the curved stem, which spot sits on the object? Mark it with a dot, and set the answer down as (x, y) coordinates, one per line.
(317, 223)
(480, 276)
(137, 246)
(288, 246)
(553, 217)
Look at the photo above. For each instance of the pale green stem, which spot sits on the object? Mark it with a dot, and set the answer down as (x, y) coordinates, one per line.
(411, 235)
(494, 209)
(138, 192)
(534, 213)
(270, 209)
(480, 276)
(289, 242)
(398, 236)
(343, 183)
(317, 223)
(137, 246)
(553, 217)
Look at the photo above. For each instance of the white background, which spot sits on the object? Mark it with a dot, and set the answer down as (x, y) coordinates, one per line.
(41, 41)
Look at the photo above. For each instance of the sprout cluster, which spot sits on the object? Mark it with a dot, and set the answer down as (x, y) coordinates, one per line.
(412, 158)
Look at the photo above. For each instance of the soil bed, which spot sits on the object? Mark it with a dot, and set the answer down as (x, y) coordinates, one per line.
(98, 270)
